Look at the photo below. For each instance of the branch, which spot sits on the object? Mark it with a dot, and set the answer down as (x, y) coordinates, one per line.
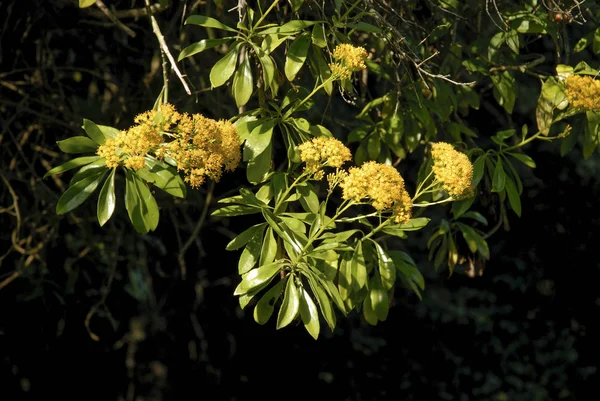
(133, 13)
(114, 19)
(165, 49)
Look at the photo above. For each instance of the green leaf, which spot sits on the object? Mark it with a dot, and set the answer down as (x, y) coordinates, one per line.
(86, 3)
(379, 298)
(499, 178)
(288, 28)
(258, 276)
(207, 22)
(474, 241)
(363, 26)
(461, 206)
(251, 253)
(551, 97)
(409, 274)
(268, 251)
(290, 306)
(259, 167)
(309, 199)
(77, 144)
(79, 191)
(322, 299)
(235, 210)
(93, 131)
(309, 315)
(71, 164)
(345, 277)
(282, 230)
(268, 67)
(163, 176)
(513, 196)
(505, 90)
(321, 68)
(88, 170)
(200, 46)
(296, 4)
(596, 41)
(318, 36)
(414, 224)
(243, 83)
(523, 158)
(140, 204)
(107, 199)
(264, 308)
(387, 270)
(368, 312)
(296, 56)
(478, 169)
(244, 237)
(224, 68)
(512, 40)
(259, 139)
(359, 266)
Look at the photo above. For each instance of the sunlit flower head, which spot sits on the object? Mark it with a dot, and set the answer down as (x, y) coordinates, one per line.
(452, 169)
(382, 186)
(200, 146)
(350, 56)
(323, 151)
(583, 92)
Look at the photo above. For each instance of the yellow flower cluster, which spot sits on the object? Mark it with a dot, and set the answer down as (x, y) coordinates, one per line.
(205, 148)
(321, 152)
(382, 185)
(349, 59)
(452, 169)
(136, 142)
(202, 147)
(583, 92)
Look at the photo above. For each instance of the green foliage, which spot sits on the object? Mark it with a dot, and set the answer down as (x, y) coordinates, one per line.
(315, 249)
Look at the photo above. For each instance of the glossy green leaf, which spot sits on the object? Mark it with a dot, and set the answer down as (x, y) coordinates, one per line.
(264, 308)
(322, 299)
(379, 298)
(309, 314)
(461, 206)
(368, 311)
(243, 83)
(200, 46)
(207, 22)
(163, 176)
(235, 210)
(596, 41)
(79, 191)
(77, 144)
(344, 278)
(268, 251)
(224, 68)
(282, 230)
(309, 200)
(243, 238)
(296, 4)
(478, 169)
(505, 90)
(499, 178)
(321, 68)
(107, 199)
(259, 139)
(359, 266)
(513, 196)
(318, 36)
(140, 204)
(289, 28)
(259, 167)
(258, 276)
(474, 240)
(267, 65)
(86, 3)
(251, 253)
(415, 224)
(71, 164)
(290, 306)
(387, 270)
(296, 56)
(93, 131)
(523, 158)
(89, 170)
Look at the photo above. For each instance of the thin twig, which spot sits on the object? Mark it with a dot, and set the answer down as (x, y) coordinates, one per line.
(445, 78)
(114, 19)
(133, 13)
(188, 243)
(165, 49)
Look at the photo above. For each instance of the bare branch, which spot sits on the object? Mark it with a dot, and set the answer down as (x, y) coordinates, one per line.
(105, 10)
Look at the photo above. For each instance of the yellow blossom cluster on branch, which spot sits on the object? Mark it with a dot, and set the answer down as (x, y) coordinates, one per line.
(382, 185)
(349, 59)
(321, 152)
(452, 169)
(202, 147)
(583, 92)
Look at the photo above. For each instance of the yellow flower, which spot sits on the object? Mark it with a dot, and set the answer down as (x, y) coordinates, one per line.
(339, 71)
(202, 147)
(382, 185)
(352, 57)
(583, 92)
(323, 151)
(452, 169)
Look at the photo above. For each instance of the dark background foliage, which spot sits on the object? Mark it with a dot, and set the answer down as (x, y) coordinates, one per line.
(108, 314)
